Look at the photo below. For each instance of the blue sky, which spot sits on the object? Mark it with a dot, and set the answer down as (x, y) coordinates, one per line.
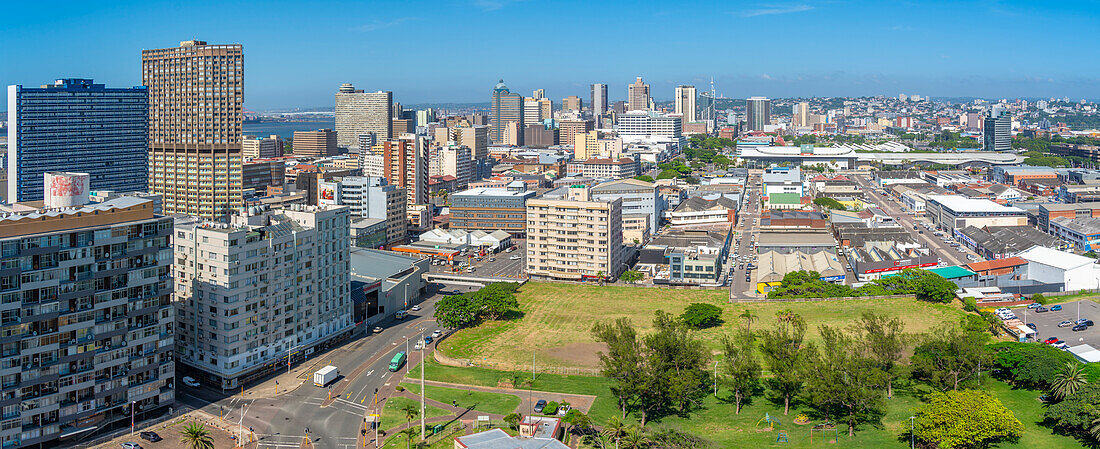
(298, 53)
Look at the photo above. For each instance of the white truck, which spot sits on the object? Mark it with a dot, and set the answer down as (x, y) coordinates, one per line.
(325, 375)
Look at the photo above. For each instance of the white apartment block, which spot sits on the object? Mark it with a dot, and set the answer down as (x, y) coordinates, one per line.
(359, 113)
(570, 236)
(268, 285)
(453, 160)
(648, 125)
(369, 197)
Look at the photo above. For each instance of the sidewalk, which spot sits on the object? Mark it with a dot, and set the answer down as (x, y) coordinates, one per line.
(298, 375)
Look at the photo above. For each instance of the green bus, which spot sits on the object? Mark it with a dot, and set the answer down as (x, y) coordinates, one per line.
(397, 360)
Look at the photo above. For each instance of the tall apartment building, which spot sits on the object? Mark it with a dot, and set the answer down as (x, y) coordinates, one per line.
(476, 138)
(758, 113)
(79, 126)
(319, 143)
(253, 147)
(506, 107)
(359, 113)
(574, 237)
(568, 130)
(196, 98)
(800, 114)
(535, 110)
(638, 96)
(598, 98)
(997, 131)
(490, 208)
(369, 197)
(263, 173)
(572, 103)
(642, 125)
(263, 287)
(425, 116)
(87, 318)
(453, 160)
(404, 163)
(685, 103)
(592, 144)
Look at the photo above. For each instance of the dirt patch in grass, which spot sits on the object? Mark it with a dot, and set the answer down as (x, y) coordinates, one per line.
(577, 354)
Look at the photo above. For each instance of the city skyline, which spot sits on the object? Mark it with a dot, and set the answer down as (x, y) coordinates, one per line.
(299, 56)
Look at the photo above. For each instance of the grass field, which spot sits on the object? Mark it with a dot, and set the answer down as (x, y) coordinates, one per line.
(392, 416)
(558, 318)
(716, 421)
(501, 404)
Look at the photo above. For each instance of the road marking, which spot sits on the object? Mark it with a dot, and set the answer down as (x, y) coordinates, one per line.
(345, 401)
(370, 372)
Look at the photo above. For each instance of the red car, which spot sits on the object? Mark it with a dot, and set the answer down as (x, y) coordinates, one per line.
(1051, 340)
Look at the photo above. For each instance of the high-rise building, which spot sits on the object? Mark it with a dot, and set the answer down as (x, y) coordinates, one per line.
(685, 103)
(369, 197)
(532, 111)
(266, 285)
(488, 208)
(572, 103)
(997, 130)
(452, 160)
(359, 113)
(88, 316)
(401, 126)
(476, 138)
(259, 147)
(425, 116)
(319, 143)
(599, 98)
(638, 96)
(568, 130)
(506, 107)
(196, 101)
(78, 126)
(573, 236)
(705, 109)
(800, 114)
(758, 113)
(538, 93)
(405, 165)
(648, 125)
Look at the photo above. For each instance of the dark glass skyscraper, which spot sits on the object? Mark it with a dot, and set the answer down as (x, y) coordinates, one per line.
(74, 125)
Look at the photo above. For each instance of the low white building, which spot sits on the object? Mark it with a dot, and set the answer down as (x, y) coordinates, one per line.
(1052, 266)
(461, 239)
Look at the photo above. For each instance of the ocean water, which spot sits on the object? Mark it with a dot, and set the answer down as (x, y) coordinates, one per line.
(286, 129)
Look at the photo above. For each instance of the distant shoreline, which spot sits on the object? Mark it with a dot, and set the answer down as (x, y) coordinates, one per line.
(286, 129)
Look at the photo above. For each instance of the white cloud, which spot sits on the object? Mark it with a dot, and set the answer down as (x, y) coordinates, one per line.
(769, 10)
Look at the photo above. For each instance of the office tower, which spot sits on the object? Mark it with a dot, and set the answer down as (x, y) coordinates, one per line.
(396, 110)
(369, 197)
(638, 96)
(648, 125)
(425, 116)
(88, 316)
(492, 208)
(539, 94)
(506, 107)
(404, 164)
(800, 114)
(539, 136)
(758, 113)
(591, 144)
(598, 98)
(532, 111)
(572, 103)
(685, 103)
(359, 113)
(319, 143)
(76, 125)
(401, 126)
(260, 174)
(476, 138)
(997, 130)
(265, 285)
(253, 147)
(513, 134)
(452, 160)
(572, 236)
(196, 96)
(705, 109)
(568, 129)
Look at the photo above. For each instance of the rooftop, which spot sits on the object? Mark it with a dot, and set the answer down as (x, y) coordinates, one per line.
(498, 439)
(962, 204)
(1083, 225)
(765, 239)
(696, 204)
(1054, 258)
(996, 264)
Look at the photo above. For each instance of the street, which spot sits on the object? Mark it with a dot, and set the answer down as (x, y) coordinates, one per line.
(743, 253)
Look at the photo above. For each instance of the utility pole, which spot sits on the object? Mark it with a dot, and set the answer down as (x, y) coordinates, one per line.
(240, 428)
(423, 359)
(715, 379)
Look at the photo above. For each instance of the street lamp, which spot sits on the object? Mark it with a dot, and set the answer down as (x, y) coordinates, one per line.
(240, 428)
(133, 407)
(716, 379)
(912, 432)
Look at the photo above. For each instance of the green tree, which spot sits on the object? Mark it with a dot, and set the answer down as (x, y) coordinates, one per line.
(623, 363)
(701, 315)
(576, 420)
(785, 356)
(614, 429)
(884, 338)
(1029, 365)
(748, 317)
(645, 178)
(1069, 381)
(935, 288)
(845, 383)
(497, 299)
(513, 420)
(410, 414)
(829, 203)
(950, 357)
(456, 311)
(964, 419)
(195, 436)
(635, 438)
(631, 276)
(1077, 412)
(742, 369)
(676, 363)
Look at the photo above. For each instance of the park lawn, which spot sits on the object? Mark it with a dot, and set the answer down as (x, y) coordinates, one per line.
(392, 416)
(558, 318)
(496, 403)
(445, 439)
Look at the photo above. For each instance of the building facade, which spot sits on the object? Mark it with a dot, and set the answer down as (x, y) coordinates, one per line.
(76, 125)
(685, 103)
(572, 103)
(266, 286)
(369, 197)
(598, 98)
(452, 160)
(638, 96)
(639, 198)
(259, 147)
(506, 108)
(487, 209)
(568, 130)
(319, 143)
(404, 163)
(758, 113)
(571, 236)
(997, 131)
(643, 125)
(88, 320)
(604, 168)
(359, 113)
(196, 101)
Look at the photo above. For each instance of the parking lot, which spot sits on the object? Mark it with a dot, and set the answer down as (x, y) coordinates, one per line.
(501, 265)
(1047, 322)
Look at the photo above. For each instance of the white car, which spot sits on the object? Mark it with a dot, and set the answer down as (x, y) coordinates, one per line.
(514, 258)
(190, 381)
(415, 308)
(437, 333)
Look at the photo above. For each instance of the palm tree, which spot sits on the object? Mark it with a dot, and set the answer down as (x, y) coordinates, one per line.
(785, 315)
(1069, 381)
(195, 436)
(749, 317)
(635, 438)
(410, 414)
(1095, 429)
(614, 429)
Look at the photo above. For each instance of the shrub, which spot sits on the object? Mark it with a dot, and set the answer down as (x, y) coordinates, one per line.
(1040, 298)
(550, 409)
(700, 315)
(970, 304)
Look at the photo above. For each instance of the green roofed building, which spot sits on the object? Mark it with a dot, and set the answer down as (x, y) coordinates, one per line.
(952, 273)
(783, 201)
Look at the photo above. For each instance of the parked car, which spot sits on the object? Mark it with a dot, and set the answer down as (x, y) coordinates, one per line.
(190, 381)
(1041, 309)
(540, 405)
(562, 410)
(1051, 340)
(1033, 327)
(428, 340)
(1085, 321)
(1065, 324)
(1034, 305)
(1002, 310)
(130, 445)
(377, 329)
(1078, 328)
(150, 436)
(415, 308)
(1056, 307)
